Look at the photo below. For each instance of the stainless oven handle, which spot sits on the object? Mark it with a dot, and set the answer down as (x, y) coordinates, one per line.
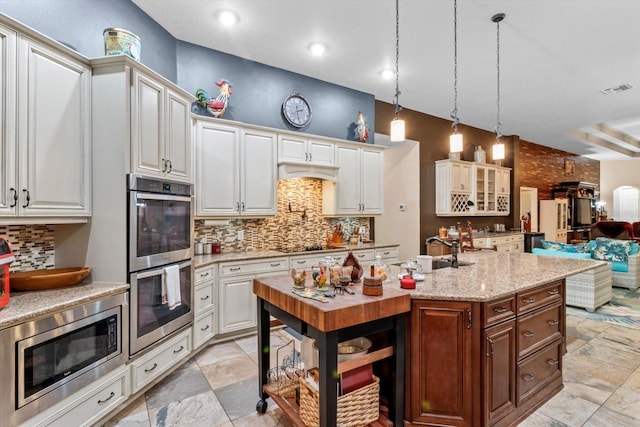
(153, 196)
(158, 271)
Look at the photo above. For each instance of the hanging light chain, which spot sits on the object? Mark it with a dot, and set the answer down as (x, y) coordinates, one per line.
(497, 18)
(397, 95)
(454, 113)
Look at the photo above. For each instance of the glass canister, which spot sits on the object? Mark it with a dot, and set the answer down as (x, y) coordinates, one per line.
(330, 269)
(380, 269)
(479, 155)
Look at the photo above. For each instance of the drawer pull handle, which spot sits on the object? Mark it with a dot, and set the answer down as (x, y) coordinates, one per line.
(204, 298)
(528, 334)
(178, 350)
(528, 377)
(205, 328)
(552, 362)
(300, 262)
(275, 264)
(155, 365)
(100, 402)
(499, 309)
(528, 300)
(234, 269)
(204, 274)
(552, 322)
(386, 253)
(554, 291)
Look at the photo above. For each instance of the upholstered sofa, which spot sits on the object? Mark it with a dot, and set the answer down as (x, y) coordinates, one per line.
(625, 268)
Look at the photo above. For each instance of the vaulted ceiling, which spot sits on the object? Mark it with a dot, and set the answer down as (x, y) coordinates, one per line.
(557, 58)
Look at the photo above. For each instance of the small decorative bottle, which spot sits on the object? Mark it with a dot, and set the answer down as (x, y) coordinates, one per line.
(479, 155)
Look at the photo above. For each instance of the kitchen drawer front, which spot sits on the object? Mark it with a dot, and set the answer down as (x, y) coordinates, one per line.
(538, 370)
(497, 311)
(537, 329)
(204, 274)
(367, 255)
(538, 297)
(158, 361)
(204, 328)
(204, 297)
(93, 402)
(388, 253)
(306, 262)
(250, 267)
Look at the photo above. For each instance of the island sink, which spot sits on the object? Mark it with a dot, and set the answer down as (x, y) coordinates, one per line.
(444, 263)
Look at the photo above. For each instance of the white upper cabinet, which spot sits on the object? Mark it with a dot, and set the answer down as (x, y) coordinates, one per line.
(305, 150)
(236, 170)
(468, 189)
(358, 190)
(46, 135)
(160, 129)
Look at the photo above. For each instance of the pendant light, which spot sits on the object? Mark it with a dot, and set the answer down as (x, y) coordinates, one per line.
(397, 125)
(455, 140)
(498, 147)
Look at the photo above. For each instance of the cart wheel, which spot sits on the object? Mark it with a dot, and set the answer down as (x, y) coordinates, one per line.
(261, 406)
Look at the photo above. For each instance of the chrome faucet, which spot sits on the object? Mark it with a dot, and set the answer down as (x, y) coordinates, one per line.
(453, 245)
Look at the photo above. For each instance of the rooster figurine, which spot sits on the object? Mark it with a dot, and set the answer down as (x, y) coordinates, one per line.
(361, 128)
(218, 105)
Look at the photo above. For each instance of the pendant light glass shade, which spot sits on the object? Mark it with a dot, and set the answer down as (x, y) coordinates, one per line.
(455, 143)
(397, 130)
(498, 151)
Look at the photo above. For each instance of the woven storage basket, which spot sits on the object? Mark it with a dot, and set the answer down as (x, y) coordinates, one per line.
(355, 409)
(284, 388)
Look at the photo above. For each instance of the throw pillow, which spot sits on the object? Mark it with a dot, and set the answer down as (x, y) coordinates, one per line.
(557, 246)
(611, 249)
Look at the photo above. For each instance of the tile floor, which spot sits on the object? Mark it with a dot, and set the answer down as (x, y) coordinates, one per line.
(218, 387)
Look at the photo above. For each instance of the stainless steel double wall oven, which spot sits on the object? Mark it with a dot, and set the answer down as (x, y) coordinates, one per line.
(160, 234)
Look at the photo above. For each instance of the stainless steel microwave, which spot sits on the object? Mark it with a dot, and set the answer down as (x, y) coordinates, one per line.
(49, 359)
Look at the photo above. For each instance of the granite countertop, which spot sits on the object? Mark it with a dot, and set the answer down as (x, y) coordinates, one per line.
(26, 306)
(494, 275)
(204, 260)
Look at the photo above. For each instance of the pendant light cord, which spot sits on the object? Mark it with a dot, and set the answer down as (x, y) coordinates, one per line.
(454, 113)
(497, 18)
(397, 95)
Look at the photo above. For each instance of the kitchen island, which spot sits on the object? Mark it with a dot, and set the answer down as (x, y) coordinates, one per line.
(484, 342)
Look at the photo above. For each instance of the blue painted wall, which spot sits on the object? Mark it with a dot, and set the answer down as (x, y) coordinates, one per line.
(258, 89)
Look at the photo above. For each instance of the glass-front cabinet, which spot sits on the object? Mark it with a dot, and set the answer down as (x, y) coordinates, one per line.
(472, 189)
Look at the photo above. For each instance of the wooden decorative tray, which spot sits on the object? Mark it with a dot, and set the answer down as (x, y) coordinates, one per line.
(37, 280)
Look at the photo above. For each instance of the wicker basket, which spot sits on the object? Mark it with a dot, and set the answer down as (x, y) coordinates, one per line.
(355, 409)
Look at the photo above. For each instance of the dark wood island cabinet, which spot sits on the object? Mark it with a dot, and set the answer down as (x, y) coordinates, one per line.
(484, 363)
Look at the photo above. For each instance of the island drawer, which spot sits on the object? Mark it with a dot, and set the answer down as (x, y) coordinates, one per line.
(528, 301)
(539, 328)
(497, 311)
(538, 370)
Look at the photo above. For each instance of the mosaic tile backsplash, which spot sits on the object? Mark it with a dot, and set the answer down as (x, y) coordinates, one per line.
(32, 245)
(286, 230)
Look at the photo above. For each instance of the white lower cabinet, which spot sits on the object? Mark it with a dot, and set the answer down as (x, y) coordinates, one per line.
(90, 404)
(388, 255)
(205, 303)
(513, 243)
(237, 303)
(151, 365)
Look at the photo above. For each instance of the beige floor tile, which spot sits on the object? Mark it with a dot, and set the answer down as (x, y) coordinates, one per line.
(218, 353)
(538, 419)
(604, 349)
(605, 417)
(574, 343)
(274, 417)
(586, 329)
(134, 415)
(633, 383)
(200, 410)
(569, 409)
(594, 373)
(625, 401)
(624, 336)
(229, 371)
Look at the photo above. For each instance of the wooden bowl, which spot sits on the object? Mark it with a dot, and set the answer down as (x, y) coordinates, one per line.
(37, 280)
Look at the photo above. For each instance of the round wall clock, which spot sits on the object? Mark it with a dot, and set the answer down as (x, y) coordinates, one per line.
(296, 110)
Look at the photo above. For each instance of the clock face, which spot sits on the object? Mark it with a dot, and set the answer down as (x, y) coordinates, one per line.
(296, 110)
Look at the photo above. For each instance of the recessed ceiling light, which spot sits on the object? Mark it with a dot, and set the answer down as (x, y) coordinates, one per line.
(228, 18)
(317, 48)
(387, 73)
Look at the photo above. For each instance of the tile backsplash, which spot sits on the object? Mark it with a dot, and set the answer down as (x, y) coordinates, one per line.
(286, 230)
(32, 245)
